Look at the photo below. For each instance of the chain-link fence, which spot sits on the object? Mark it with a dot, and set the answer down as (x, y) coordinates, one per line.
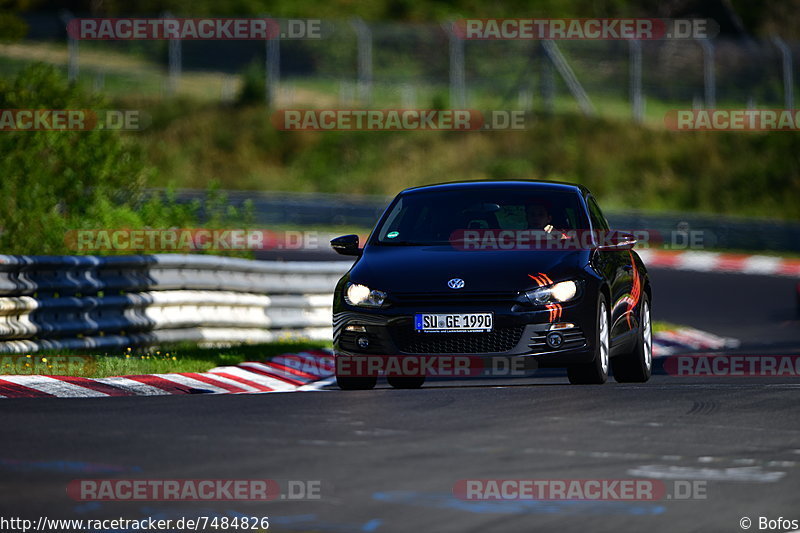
(391, 65)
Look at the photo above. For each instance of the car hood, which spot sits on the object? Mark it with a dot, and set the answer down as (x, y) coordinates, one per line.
(417, 269)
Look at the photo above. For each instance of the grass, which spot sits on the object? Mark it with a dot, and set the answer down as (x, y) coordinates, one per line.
(625, 165)
(179, 358)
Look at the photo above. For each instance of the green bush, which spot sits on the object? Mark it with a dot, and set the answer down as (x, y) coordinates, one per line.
(254, 84)
(52, 182)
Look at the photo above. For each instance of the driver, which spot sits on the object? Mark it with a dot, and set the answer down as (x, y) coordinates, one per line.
(539, 217)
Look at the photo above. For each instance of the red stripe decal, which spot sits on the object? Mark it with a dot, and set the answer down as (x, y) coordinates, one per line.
(273, 375)
(257, 386)
(636, 290)
(161, 383)
(536, 279)
(311, 370)
(211, 381)
(12, 390)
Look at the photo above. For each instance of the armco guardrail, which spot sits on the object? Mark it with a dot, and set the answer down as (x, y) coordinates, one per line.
(72, 302)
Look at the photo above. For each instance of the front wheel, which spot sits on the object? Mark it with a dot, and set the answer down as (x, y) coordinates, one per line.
(405, 383)
(637, 366)
(360, 383)
(596, 372)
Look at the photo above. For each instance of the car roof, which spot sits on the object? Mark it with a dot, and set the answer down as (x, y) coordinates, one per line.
(540, 185)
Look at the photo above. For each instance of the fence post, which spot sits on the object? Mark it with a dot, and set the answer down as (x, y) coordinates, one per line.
(175, 61)
(273, 68)
(72, 48)
(548, 82)
(788, 72)
(709, 76)
(636, 79)
(408, 96)
(559, 62)
(364, 38)
(458, 97)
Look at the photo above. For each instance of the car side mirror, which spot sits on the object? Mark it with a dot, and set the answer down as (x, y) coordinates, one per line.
(346, 245)
(617, 240)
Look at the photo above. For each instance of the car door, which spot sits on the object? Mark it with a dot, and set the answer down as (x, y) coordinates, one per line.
(616, 267)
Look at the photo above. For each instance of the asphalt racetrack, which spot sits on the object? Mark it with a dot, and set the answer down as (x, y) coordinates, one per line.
(388, 460)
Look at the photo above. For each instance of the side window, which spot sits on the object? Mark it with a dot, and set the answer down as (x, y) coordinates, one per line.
(598, 220)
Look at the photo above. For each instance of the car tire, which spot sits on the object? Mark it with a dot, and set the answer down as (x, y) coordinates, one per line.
(595, 372)
(405, 383)
(360, 383)
(637, 366)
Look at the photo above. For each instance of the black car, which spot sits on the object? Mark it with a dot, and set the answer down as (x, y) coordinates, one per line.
(518, 268)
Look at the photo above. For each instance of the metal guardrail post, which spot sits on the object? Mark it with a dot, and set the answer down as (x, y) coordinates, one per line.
(273, 68)
(364, 39)
(175, 62)
(637, 108)
(788, 72)
(458, 93)
(72, 49)
(709, 74)
(562, 66)
(547, 80)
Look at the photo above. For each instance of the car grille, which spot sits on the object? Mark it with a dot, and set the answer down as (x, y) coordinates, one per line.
(573, 338)
(499, 340)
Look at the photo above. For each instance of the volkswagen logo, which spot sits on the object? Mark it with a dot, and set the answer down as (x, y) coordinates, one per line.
(456, 283)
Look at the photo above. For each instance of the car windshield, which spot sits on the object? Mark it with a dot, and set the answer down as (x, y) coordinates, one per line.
(432, 218)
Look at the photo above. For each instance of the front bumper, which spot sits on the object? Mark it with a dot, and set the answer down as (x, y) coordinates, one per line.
(518, 331)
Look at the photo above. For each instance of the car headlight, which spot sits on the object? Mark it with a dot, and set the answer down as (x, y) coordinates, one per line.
(361, 295)
(559, 292)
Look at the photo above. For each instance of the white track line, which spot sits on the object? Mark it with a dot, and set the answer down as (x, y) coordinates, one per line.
(136, 387)
(213, 375)
(276, 371)
(272, 383)
(191, 382)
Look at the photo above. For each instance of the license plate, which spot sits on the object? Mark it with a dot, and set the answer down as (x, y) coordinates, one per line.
(451, 322)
